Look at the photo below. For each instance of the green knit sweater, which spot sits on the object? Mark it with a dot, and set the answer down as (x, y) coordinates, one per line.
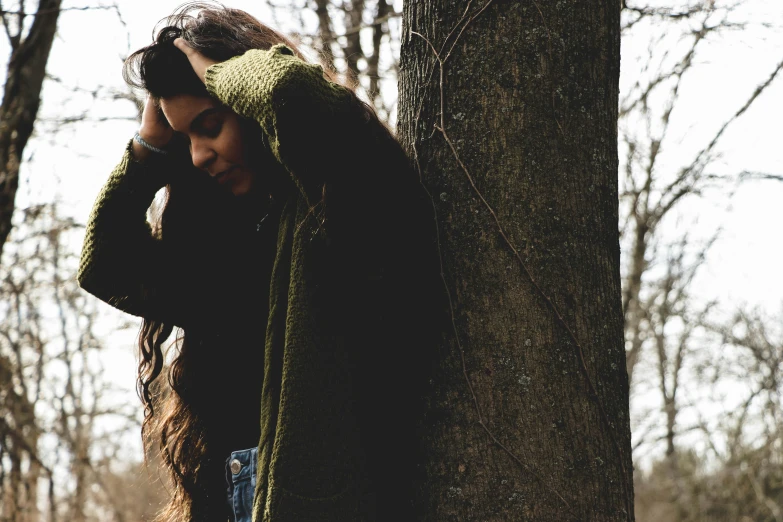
(351, 296)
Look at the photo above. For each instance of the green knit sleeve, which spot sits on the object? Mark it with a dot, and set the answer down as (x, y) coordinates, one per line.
(300, 111)
(121, 260)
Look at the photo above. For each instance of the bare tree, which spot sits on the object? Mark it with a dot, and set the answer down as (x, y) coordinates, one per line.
(30, 45)
(671, 356)
(52, 383)
(325, 34)
(338, 37)
(739, 475)
(650, 192)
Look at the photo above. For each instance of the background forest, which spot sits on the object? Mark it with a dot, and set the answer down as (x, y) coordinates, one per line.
(701, 180)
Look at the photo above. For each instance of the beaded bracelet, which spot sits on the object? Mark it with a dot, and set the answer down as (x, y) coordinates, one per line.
(138, 139)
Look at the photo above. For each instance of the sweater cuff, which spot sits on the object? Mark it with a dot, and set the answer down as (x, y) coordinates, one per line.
(148, 176)
(243, 83)
(249, 83)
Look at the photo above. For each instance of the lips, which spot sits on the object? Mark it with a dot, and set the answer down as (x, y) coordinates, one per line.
(221, 177)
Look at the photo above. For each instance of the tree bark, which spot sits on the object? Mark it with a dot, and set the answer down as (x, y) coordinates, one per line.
(325, 34)
(529, 417)
(353, 45)
(21, 99)
(373, 60)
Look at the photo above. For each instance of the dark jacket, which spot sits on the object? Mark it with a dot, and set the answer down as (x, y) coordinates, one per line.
(353, 299)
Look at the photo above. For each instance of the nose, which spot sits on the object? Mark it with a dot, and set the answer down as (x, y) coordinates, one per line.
(203, 155)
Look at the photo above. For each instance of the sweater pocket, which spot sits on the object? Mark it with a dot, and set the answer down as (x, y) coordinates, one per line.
(353, 504)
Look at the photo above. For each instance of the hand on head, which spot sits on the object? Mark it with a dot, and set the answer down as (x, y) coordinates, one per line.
(154, 129)
(198, 61)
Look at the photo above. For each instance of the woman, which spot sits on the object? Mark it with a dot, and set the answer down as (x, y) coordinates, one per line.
(293, 253)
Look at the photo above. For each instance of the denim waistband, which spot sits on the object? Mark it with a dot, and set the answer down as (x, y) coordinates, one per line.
(241, 484)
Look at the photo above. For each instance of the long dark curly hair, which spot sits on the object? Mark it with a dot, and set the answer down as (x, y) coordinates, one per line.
(210, 404)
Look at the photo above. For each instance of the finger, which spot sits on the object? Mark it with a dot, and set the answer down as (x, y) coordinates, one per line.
(183, 46)
(197, 60)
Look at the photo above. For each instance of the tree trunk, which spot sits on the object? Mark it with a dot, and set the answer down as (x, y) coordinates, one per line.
(372, 62)
(325, 34)
(353, 45)
(21, 98)
(529, 416)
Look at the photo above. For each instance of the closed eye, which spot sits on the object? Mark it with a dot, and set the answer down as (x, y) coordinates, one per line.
(209, 123)
(211, 129)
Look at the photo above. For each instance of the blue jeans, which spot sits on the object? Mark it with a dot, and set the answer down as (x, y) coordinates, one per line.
(241, 482)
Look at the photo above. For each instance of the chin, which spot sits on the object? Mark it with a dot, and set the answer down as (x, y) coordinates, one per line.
(241, 187)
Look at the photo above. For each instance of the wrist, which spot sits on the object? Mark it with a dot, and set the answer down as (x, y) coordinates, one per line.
(152, 147)
(140, 153)
(155, 137)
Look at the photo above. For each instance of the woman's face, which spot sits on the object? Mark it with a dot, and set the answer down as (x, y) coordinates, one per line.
(216, 139)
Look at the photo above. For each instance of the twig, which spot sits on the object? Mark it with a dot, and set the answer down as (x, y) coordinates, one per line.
(739, 113)
(378, 21)
(60, 10)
